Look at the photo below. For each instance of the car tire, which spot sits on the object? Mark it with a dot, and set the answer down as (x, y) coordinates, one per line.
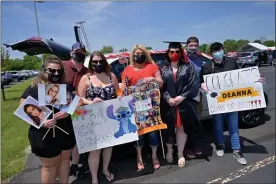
(253, 118)
(15, 80)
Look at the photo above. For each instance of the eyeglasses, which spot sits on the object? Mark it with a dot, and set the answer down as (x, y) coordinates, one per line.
(175, 51)
(97, 61)
(53, 71)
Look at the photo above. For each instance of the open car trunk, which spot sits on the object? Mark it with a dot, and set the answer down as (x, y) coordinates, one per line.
(37, 45)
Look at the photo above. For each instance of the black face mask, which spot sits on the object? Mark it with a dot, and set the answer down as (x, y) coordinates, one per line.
(56, 79)
(98, 68)
(78, 57)
(139, 58)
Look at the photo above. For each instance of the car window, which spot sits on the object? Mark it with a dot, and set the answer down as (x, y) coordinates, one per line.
(245, 54)
(256, 54)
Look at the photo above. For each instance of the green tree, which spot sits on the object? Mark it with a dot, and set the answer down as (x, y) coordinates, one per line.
(203, 48)
(258, 41)
(15, 64)
(149, 48)
(230, 45)
(123, 50)
(31, 62)
(2, 57)
(106, 49)
(269, 43)
(241, 43)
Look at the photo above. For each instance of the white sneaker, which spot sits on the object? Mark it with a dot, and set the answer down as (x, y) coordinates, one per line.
(237, 154)
(220, 150)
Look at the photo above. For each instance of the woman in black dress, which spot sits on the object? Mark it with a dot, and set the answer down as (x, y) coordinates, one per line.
(178, 109)
(54, 153)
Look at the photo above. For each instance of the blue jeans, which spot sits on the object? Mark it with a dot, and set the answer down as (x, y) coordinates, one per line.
(231, 119)
(152, 137)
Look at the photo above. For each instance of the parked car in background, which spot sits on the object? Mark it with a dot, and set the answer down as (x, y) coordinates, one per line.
(6, 79)
(257, 58)
(16, 76)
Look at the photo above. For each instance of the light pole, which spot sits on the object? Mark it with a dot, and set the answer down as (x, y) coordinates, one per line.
(37, 23)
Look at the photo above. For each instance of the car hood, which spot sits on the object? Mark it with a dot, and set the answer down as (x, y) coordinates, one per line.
(38, 45)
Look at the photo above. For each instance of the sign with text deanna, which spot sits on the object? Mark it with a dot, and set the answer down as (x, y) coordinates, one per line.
(235, 90)
(105, 124)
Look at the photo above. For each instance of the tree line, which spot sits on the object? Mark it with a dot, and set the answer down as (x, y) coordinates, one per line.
(34, 62)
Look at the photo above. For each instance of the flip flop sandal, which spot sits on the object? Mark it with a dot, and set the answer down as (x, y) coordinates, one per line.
(140, 166)
(155, 163)
(181, 162)
(109, 177)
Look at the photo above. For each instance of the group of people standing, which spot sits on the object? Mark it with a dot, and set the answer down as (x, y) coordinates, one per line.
(181, 85)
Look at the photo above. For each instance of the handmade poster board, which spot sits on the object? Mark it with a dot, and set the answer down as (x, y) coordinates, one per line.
(235, 90)
(105, 124)
(147, 107)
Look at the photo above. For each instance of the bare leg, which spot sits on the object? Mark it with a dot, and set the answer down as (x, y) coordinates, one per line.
(169, 155)
(181, 138)
(64, 166)
(93, 161)
(75, 155)
(107, 152)
(140, 164)
(155, 162)
(49, 169)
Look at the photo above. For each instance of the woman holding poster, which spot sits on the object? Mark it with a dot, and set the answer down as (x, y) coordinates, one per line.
(179, 108)
(54, 152)
(142, 69)
(97, 85)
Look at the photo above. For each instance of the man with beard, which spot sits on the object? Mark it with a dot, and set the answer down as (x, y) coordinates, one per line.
(74, 70)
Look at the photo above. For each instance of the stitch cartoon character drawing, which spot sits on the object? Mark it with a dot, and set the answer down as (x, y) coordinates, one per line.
(122, 115)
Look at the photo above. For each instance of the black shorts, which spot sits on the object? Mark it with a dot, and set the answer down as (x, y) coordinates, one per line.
(51, 147)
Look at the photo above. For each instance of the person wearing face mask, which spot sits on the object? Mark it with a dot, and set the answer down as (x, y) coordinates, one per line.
(142, 69)
(98, 85)
(193, 56)
(54, 152)
(178, 109)
(74, 70)
(222, 64)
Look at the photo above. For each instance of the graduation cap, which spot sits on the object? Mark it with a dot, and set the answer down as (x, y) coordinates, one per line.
(121, 109)
(173, 44)
(213, 95)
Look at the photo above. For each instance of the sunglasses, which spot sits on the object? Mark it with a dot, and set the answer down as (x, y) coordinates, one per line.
(172, 51)
(53, 71)
(97, 61)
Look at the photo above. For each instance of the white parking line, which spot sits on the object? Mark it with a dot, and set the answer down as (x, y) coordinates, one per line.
(244, 171)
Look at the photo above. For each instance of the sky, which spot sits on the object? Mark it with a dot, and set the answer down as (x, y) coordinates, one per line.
(124, 24)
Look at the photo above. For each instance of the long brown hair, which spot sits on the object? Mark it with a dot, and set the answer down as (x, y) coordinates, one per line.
(98, 53)
(36, 119)
(42, 78)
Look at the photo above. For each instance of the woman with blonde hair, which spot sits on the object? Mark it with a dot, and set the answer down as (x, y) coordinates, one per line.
(142, 69)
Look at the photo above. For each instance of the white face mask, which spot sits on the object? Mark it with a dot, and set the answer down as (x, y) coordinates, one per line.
(218, 56)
